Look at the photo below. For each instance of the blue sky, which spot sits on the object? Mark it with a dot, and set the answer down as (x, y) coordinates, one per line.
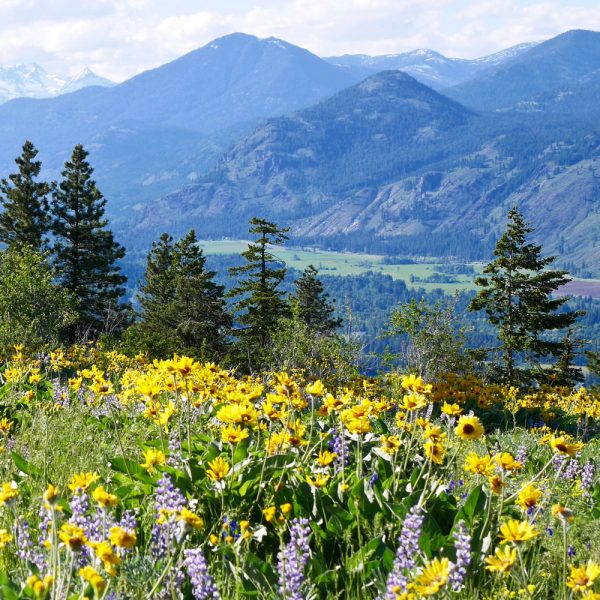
(119, 38)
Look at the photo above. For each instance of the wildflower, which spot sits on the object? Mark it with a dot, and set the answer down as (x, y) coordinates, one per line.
(469, 428)
(107, 556)
(528, 497)
(358, 425)
(325, 458)
(121, 537)
(153, 458)
(285, 508)
(316, 389)
(408, 548)
(563, 513)
(73, 536)
(562, 446)
(233, 434)
(269, 513)
(414, 401)
(243, 413)
(462, 547)
(517, 531)
(50, 496)
(92, 576)
(506, 462)
(435, 452)
(40, 586)
(81, 481)
(203, 585)
(218, 470)
(318, 482)
(190, 519)
(479, 464)
(5, 426)
(103, 498)
(452, 410)
(415, 383)
(5, 538)
(292, 560)
(582, 579)
(433, 577)
(390, 443)
(503, 560)
(8, 493)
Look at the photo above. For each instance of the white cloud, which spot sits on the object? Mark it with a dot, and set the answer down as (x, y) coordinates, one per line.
(119, 38)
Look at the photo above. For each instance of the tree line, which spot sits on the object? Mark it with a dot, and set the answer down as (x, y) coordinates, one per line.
(61, 283)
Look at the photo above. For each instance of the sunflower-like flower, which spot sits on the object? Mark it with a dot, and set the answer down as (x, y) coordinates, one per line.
(218, 469)
(481, 465)
(517, 531)
(94, 578)
(318, 482)
(503, 560)
(121, 537)
(390, 443)
(103, 498)
(105, 553)
(433, 577)
(190, 519)
(434, 452)
(8, 493)
(73, 536)
(233, 434)
(5, 538)
(152, 458)
(469, 428)
(581, 579)
(326, 457)
(563, 513)
(529, 496)
(82, 481)
(563, 446)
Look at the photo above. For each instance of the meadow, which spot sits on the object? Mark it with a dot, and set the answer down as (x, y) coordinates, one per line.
(128, 479)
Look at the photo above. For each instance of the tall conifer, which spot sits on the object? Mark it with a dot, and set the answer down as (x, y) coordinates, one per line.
(24, 219)
(85, 252)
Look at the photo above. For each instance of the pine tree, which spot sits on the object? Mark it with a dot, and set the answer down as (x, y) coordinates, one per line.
(261, 302)
(85, 252)
(516, 295)
(183, 309)
(311, 303)
(24, 219)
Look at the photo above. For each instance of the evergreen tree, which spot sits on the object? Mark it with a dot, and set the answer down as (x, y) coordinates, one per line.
(311, 303)
(261, 303)
(183, 309)
(24, 218)
(85, 252)
(516, 295)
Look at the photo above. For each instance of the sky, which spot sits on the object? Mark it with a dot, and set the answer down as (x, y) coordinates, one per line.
(120, 38)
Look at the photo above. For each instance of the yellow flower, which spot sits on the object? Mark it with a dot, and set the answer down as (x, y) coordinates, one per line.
(285, 508)
(269, 513)
(153, 457)
(81, 481)
(435, 452)
(433, 577)
(316, 389)
(517, 531)
(415, 383)
(506, 461)
(50, 495)
(452, 410)
(101, 387)
(5, 426)
(562, 446)
(358, 425)
(469, 428)
(107, 556)
(414, 401)
(326, 457)
(528, 497)
(5, 538)
(122, 538)
(434, 433)
(496, 483)
(218, 469)
(190, 519)
(243, 414)
(73, 536)
(479, 464)
(563, 513)
(233, 434)
(184, 366)
(40, 586)
(318, 482)
(92, 576)
(503, 560)
(8, 493)
(103, 498)
(390, 443)
(582, 579)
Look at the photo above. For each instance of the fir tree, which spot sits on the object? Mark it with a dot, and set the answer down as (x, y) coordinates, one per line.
(24, 219)
(516, 295)
(261, 302)
(85, 252)
(311, 305)
(183, 309)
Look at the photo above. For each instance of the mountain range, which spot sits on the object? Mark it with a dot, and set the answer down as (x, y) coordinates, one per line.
(32, 81)
(409, 154)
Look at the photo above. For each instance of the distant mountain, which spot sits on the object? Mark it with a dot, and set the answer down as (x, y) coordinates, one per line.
(538, 79)
(428, 67)
(389, 165)
(178, 117)
(32, 81)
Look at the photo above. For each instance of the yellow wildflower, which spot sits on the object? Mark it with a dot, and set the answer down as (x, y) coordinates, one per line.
(503, 560)
(469, 428)
(153, 458)
(103, 498)
(218, 470)
(122, 538)
(582, 579)
(433, 577)
(81, 481)
(517, 531)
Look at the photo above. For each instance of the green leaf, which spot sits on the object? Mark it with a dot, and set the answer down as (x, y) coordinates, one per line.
(474, 505)
(25, 466)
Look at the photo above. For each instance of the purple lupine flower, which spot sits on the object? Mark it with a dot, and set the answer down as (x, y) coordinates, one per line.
(175, 459)
(337, 445)
(173, 582)
(429, 411)
(462, 546)
(168, 501)
(558, 462)
(293, 559)
(203, 585)
(572, 469)
(521, 455)
(408, 547)
(373, 479)
(571, 551)
(26, 550)
(587, 477)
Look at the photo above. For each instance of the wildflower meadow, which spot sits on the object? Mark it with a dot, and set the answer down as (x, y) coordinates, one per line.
(123, 478)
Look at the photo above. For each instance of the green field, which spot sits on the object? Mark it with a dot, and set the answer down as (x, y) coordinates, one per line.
(348, 263)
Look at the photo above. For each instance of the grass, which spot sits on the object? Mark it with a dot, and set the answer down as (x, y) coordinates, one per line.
(349, 263)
